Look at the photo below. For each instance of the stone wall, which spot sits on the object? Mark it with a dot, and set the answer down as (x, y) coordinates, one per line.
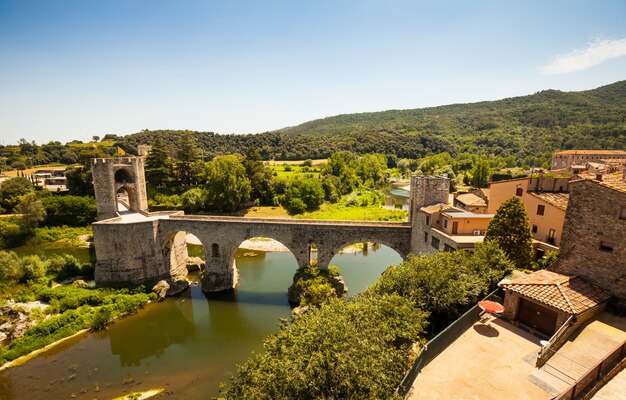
(592, 222)
(106, 187)
(425, 191)
(126, 253)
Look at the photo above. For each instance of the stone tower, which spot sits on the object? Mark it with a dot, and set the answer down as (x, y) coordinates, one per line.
(425, 191)
(118, 175)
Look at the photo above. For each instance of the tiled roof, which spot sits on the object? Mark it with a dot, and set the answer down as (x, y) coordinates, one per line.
(435, 208)
(558, 200)
(566, 293)
(470, 199)
(595, 152)
(615, 181)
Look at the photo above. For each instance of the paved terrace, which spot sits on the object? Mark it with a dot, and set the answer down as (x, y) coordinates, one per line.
(488, 362)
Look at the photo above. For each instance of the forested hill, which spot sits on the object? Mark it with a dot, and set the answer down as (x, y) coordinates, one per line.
(527, 127)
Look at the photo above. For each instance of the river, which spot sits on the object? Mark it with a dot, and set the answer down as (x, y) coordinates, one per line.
(187, 345)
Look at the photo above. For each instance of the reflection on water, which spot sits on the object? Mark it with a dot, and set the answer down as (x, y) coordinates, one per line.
(187, 344)
(397, 199)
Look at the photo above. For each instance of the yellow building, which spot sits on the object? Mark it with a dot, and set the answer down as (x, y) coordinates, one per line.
(545, 200)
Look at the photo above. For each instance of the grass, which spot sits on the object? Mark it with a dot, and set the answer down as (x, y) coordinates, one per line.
(71, 235)
(296, 172)
(267, 212)
(340, 211)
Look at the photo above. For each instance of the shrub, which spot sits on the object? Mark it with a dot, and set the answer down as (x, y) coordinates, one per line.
(9, 267)
(69, 210)
(64, 266)
(102, 318)
(33, 269)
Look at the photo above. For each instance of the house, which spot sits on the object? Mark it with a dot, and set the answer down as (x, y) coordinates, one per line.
(544, 300)
(545, 200)
(569, 158)
(451, 228)
(470, 202)
(593, 243)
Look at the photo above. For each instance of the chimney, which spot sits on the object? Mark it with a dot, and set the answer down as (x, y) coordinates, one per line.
(599, 177)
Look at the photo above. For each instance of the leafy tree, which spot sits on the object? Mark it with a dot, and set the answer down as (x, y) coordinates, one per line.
(95, 138)
(194, 200)
(261, 179)
(480, 174)
(159, 166)
(309, 192)
(32, 211)
(446, 283)
(371, 169)
(353, 350)
(510, 230)
(187, 157)
(79, 180)
(69, 210)
(12, 190)
(228, 188)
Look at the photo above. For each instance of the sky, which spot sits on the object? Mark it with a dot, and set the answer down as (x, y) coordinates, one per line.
(72, 69)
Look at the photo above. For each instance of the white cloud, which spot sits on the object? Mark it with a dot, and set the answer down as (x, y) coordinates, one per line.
(596, 52)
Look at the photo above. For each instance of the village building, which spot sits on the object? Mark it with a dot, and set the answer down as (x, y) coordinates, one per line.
(451, 228)
(569, 158)
(471, 202)
(543, 301)
(545, 200)
(593, 244)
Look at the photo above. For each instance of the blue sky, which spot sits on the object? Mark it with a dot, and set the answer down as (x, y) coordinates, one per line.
(71, 69)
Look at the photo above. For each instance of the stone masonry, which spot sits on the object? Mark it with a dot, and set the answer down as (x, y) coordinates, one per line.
(153, 247)
(112, 175)
(593, 244)
(425, 191)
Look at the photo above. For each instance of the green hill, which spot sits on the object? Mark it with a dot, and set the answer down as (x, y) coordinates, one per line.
(527, 127)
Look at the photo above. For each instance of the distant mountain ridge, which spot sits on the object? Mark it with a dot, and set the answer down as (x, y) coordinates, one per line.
(526, 127)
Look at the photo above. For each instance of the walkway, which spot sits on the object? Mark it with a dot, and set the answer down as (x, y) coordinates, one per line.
(614, 390)
(580, 353)
(490, 362)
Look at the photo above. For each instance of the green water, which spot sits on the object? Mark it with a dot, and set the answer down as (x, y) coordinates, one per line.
(186, 345)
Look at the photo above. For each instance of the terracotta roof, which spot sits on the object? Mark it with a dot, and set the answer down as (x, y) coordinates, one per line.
(435, 208)
(470, 199)
(566, 293)
(615, 181)
(558, 200)
(596, 152)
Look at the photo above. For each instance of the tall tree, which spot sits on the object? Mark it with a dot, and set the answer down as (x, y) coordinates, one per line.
(260, 177)
(187, 156)
(510, 230)
(228, 187)
(32, 211)
(159, 165)
(480, 173)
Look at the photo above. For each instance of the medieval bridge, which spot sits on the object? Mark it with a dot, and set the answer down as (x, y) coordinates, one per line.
(138, 246)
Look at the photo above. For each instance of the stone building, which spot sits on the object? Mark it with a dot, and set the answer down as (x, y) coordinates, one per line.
(119, 182)
(569, 158)
(543, 301)
(593, 244)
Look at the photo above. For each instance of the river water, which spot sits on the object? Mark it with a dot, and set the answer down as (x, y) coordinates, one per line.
(187, 345)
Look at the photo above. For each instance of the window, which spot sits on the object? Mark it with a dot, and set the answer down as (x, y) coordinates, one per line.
(435, 243)
(447, 247)
(445, 224)
(428, 220)
(541, 209)
(552, 236)
(519, 192)
(622, 214)
(215, 250)
(425, 237)
(479, 232)
(534, 228)
(606, 246)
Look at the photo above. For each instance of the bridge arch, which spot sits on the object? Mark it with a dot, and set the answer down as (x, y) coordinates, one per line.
(326, 253)
(301, 257)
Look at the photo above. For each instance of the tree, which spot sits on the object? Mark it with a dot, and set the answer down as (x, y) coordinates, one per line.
(194, 200)
(261, 179)
(187, 156)
(228, 188)
(480, 173)
(79, 181)
(510, 230)
(12, 190)
(32, 211)
(69, 210)
(158, 165)
(95, 138)
(308, 193)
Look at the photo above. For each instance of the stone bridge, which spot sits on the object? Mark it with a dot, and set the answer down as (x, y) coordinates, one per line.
(138, 246)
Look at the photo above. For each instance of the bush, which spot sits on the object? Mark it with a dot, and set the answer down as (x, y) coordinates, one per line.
(9, 267)
(355, 350)
(193, 200)
(64, 266)
(102, 318)
(296, 206)
(69, 210)
(33, 269)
